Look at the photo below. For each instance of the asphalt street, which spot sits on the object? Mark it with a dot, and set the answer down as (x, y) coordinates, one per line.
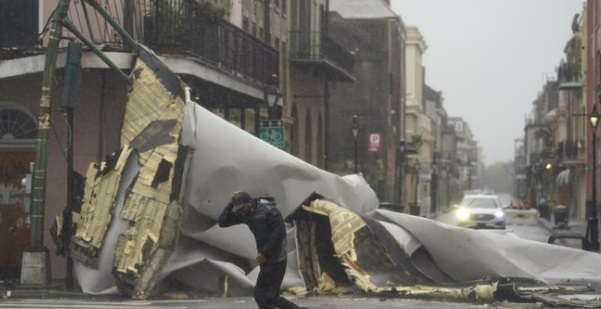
(321, 302)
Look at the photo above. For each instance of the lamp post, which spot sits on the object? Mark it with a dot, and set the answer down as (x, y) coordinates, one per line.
(414, 209)
(401, 167)
(355, 131)
(469, 173)
(434, 183)
(273, 96)
(592, 230)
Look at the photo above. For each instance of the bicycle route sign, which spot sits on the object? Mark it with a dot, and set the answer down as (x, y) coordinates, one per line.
(272, 133)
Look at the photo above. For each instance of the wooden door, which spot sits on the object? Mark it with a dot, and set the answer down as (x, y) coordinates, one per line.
(15, 206)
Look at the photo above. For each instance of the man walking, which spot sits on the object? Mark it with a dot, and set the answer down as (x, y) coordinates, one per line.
(267, 226)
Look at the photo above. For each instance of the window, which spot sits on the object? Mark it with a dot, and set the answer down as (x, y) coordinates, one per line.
(459, 126)
(245, 24)
(15, 124)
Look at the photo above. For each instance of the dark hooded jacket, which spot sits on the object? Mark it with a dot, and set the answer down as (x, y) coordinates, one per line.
(266, 224)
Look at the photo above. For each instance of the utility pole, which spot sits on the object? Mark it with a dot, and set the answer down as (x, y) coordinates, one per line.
(70, 90)
(37, 255)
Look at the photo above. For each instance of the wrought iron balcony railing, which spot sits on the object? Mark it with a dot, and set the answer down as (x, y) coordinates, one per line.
(18, 24)
(569, 75)
(570, 150)
(319, 47)
(211, 39)
(169, 26)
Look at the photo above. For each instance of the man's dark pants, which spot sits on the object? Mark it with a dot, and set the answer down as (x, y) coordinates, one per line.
(267, 288)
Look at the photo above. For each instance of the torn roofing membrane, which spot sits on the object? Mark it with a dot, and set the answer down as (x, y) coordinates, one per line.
(149, 217)
(136, 194)
(362, 252)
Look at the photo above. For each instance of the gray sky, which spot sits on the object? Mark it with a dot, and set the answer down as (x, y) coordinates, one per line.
(490, 58)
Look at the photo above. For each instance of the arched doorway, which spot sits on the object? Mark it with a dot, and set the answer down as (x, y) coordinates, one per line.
(17, 151)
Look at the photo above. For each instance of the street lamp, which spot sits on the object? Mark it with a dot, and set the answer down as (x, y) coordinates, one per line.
(434, 183)
(592, 230)
(414, 209)
(355, 131)
(401, 168)
(273, 96)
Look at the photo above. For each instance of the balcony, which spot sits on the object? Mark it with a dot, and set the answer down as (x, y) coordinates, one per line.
(18, 26)
(317, 49)
(167, 26)
(569, 76)
(570, 151)
(212, 40)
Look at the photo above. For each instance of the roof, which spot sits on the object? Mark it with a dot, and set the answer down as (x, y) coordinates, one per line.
(481, 195)
(362, 9)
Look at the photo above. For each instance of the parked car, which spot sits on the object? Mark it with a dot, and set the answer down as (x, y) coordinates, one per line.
(480, 211)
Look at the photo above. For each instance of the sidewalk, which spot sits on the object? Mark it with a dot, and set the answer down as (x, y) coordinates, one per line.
(567, 235)
(55, 290)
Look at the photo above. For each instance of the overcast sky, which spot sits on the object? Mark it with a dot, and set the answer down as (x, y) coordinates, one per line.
(490, 58)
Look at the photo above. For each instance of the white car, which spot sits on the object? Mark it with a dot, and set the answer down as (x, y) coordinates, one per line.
(480, 211)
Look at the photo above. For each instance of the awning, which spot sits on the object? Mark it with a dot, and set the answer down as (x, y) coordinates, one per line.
(563, 178)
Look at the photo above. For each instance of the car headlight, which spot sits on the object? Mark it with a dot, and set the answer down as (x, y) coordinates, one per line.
(499, 214)
(463, 214)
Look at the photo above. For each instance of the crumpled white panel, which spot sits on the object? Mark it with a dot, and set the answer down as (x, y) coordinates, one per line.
(468, 255)
(226, 159)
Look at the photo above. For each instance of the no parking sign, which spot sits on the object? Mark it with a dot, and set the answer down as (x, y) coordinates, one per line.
(374, 142)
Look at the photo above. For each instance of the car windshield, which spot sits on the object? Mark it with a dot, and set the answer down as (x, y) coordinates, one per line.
(479, 203)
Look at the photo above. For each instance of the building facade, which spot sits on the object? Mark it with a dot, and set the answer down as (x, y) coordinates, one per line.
(375, 100)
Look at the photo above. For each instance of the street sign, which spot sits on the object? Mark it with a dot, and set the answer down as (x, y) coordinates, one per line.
(374, 143)
(273, 133)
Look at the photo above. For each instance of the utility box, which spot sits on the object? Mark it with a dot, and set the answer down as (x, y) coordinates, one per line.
(414, 208)
(561, 215)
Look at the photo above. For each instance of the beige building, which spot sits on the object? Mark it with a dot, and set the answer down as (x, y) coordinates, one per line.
(569, 125)
(418, 125)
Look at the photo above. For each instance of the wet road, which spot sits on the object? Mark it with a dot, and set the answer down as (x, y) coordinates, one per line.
(320, 302)
(522, 223)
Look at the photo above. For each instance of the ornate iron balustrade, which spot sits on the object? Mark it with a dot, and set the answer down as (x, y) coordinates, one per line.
(318, 46)
(570, 149)
(230, 48)
(18, 24)
(182, 25)
(569, 73)
(185, 27)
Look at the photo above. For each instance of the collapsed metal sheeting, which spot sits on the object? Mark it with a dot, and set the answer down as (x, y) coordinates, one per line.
(489, 254)
(387, 253)
(224, 159)
(132, 233)
(141, 188)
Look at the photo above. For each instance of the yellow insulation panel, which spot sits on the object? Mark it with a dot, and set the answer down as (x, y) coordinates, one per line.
(141, 240)
(344, 224)
(99, 200)
(147, 102)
